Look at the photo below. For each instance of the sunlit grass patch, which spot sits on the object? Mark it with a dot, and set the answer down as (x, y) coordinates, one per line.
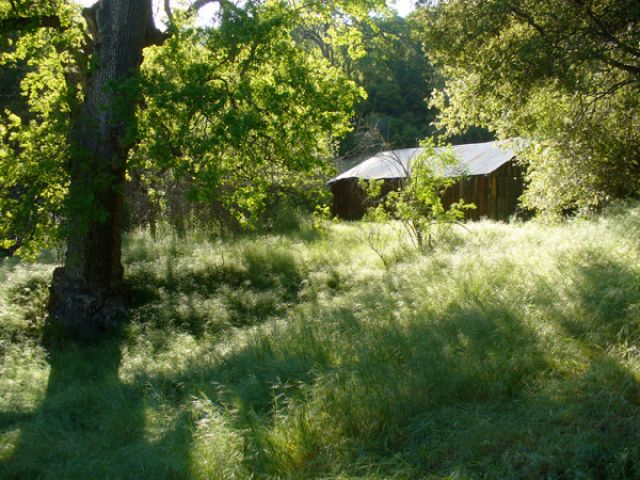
(23, 298)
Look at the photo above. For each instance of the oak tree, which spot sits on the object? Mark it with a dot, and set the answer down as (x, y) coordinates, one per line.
(64, 167)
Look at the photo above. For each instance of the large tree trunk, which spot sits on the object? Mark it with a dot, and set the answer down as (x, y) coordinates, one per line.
(87, 293)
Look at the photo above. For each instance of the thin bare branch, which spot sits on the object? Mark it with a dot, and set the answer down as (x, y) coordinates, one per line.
(198, 4)
(168, 11)
(634, 69)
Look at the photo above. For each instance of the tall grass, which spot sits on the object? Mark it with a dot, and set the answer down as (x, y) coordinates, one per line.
(513, 351)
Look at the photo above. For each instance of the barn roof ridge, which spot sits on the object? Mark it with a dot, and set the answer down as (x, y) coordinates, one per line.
(474, 159)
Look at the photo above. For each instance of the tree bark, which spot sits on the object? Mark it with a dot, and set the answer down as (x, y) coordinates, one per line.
(87, 295)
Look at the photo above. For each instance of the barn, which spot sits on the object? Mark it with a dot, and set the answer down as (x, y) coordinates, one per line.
(489, 177)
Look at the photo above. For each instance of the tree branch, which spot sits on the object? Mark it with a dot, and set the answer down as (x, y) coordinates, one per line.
(198, 4)
(604, 31)
(528, 19)
(224, 4)
(612, 89)
(168, 11)
(154, 36)
(634, 69)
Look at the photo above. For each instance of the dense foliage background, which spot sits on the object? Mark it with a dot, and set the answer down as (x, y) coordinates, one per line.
(561, 78)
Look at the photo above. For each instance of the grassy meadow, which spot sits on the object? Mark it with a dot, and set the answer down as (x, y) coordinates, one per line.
(512, 351)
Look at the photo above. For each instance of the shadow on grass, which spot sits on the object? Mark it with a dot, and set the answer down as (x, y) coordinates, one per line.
(605, 292)
(92, 425)
(207, 298)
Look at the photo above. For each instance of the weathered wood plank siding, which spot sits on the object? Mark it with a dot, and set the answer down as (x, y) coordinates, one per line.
(495, 195)
(350, 201)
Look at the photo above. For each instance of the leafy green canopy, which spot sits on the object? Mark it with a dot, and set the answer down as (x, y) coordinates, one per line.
(242, 109)
(562, 76)
(33, 147)
(236, 108)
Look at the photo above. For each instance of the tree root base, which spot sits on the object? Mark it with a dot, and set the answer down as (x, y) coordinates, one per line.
(84, 313)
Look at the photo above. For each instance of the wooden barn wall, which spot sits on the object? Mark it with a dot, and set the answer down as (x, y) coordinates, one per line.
(349, 200)
(495, 195)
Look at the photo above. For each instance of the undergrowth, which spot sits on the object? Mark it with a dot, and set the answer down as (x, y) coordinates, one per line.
(513, 351)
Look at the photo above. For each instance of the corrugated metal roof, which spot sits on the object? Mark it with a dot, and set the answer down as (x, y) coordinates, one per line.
(473, 158)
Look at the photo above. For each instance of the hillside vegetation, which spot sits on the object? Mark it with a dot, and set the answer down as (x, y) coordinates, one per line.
(512, 351)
